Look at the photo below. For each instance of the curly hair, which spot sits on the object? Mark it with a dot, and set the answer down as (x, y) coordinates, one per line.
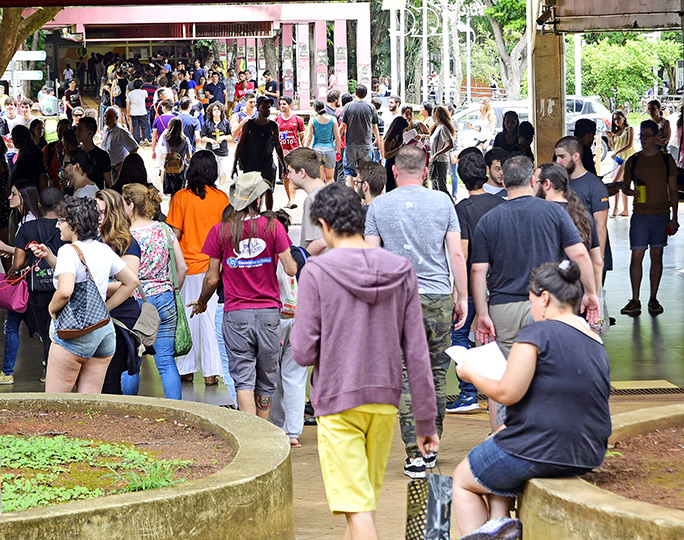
(81, 214)
(340, 207)
(145, 199)
(116, 225)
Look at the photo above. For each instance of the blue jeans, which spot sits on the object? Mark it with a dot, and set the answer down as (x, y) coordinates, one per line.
(460, 337)
(12, 322)
(164, 346)
(225, 362)
(141, 124)
(453, 172)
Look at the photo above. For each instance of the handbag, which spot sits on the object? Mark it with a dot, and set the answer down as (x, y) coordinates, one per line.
(13, 293)
(428, 510)
(85, 310)
(183, 342)
(147, 325)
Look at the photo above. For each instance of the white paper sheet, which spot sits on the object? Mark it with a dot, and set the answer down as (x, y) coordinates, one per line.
(487, 360)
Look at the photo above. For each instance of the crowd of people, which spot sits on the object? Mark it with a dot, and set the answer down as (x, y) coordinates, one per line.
(386, 257)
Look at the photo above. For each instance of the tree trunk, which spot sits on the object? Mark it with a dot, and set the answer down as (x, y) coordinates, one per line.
(26, 85)
(513, 65)
(271, 55)
(15, 29)
(458, 64)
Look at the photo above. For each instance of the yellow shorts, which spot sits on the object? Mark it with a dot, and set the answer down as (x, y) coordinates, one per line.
(353, 447)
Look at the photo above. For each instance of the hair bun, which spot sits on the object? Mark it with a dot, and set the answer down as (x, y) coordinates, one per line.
(569, 271)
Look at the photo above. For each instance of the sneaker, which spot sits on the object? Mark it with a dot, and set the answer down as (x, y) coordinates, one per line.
(463, 404)
(633, 308)
(415, 468)
(502, 528)
(430, 460)
(6, 379)
(654, 307)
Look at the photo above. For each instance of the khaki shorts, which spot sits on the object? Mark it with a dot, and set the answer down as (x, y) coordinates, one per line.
(353, 447)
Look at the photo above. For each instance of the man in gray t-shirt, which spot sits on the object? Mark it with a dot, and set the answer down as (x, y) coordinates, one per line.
(421, 225)
(358, 123)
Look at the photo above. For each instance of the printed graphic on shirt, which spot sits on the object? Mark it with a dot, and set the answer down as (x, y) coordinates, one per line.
(248, 250)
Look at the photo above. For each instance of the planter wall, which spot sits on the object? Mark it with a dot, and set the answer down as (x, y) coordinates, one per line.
(571, 508)
(251, 498)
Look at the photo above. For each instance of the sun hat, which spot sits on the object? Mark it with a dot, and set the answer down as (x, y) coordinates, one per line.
(246, 189)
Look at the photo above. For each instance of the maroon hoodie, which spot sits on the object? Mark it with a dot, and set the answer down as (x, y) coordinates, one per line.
(357, 311)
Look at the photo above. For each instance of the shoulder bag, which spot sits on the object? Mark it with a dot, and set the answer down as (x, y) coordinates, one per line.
(183, 342)
(85, 310)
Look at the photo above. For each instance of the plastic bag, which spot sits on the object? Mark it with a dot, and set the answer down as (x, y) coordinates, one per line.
(438, 518)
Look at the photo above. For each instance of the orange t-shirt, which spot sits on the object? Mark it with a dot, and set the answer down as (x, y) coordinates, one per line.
(194, 217)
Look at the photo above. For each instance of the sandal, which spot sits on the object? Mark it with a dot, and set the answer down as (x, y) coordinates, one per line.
(188, 377)
(210, 381)
(291, 205)
(294, 442)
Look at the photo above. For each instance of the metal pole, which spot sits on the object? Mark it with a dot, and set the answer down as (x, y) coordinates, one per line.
(425, 51)
(393, 49)
(578, 64)
(468, 82)
(402, 52)
(445, 53)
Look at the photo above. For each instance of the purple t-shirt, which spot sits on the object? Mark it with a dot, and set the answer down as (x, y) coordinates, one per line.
(249, 276)
(162, 122)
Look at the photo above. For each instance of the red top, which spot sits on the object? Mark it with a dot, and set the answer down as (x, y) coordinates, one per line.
(289, 131)
(249, 276)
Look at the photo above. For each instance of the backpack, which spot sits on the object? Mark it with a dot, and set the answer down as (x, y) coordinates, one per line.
(680, 171)
(173, 163)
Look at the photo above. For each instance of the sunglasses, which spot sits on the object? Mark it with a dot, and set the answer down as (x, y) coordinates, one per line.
(69, 163)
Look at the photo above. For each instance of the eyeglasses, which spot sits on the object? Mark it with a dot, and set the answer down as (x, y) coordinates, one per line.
(357, 182)
(60, 220)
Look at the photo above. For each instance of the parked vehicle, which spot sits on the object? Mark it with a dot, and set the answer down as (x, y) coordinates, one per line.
(576, 107)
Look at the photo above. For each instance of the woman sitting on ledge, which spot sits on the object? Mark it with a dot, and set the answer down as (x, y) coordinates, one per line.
(556, 388)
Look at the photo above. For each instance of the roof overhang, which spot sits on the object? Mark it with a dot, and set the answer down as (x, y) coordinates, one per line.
(579, 16)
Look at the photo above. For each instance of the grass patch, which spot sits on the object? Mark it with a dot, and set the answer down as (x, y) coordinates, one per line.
(39, 471)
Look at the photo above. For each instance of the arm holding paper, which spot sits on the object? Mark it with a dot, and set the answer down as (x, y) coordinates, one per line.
(516, 379)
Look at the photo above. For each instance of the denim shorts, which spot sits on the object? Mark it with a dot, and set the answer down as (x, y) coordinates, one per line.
(99, 343)
(355, 154)
(326, 156)
(505, 474)
(648, 230)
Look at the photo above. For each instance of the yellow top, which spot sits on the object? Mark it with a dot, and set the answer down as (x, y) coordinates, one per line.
(620, 141)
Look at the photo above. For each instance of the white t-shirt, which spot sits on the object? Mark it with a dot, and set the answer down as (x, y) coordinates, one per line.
(68, 74)
(102, 262)
(137, 100)
(87, 191)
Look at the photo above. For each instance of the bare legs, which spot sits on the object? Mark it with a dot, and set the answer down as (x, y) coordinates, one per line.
(251, 403)
(289, 189)
(473, 505)
(361, 526)
(65, 369)
(655, 273)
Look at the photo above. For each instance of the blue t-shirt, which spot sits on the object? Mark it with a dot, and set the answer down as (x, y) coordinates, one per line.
(563, 418)
(592, 192)
(413, 221)
(515, 238)
(216, 90)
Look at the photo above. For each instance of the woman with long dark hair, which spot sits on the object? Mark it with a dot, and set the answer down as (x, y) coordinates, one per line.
(621, 137)
(29, 164)
(557, 422)
(393, 141)
(4, 191)
(25, 204)
(441, 143)
(155, 274)
(132, 171)
(37, 129)
(244, 250)
(175, 152)
(193, 211)
(216, 133)
(508, 139)
(554, 185)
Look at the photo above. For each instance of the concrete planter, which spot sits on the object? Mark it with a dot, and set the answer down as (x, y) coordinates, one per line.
(251, 498)
(571, 508)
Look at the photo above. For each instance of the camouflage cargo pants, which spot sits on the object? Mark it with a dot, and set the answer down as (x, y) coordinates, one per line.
(437, 314)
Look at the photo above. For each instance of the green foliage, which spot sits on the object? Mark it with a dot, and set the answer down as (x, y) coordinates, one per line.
(510, 14)
(51, 470)
(625, 71)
